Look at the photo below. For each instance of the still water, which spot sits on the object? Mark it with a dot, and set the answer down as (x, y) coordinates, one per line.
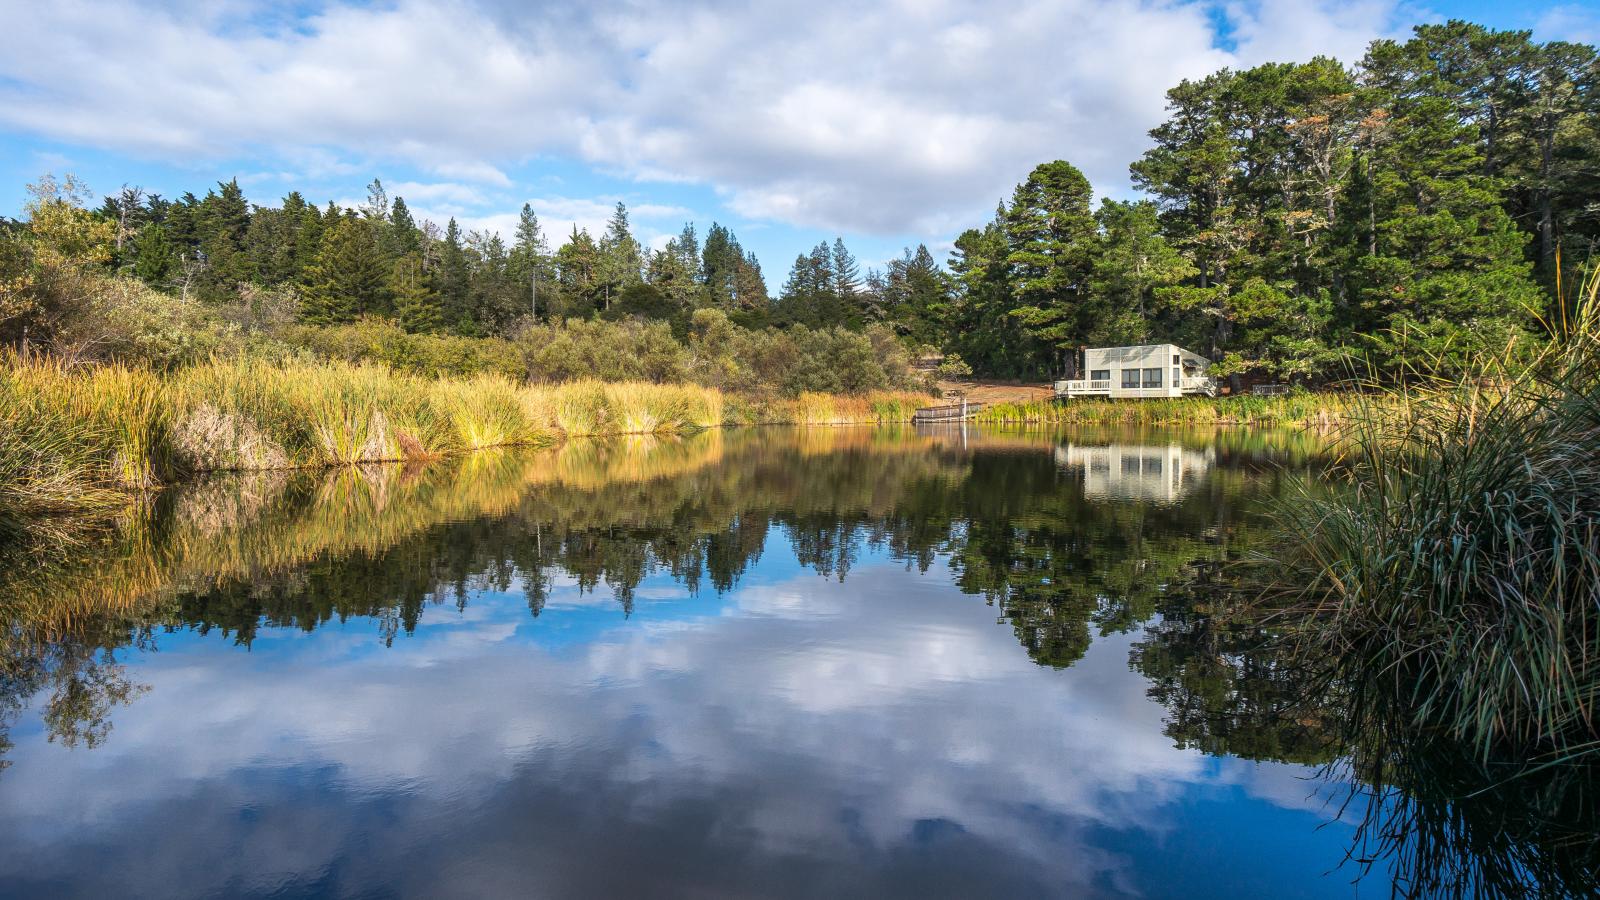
(831, 662)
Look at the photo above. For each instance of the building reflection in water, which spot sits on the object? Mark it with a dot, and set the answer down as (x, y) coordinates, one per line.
(1163, 473)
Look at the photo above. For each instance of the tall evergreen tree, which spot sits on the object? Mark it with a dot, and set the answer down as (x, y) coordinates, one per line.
(531, 268)
(1133, 266)
(223, 218)
(155, 259)
(1051, 239)
(416, 303)
(349, 278)
(455, 279)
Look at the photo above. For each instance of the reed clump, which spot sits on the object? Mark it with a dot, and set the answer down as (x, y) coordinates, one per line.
(1300, 408)
(1454, 572)
(75, 438)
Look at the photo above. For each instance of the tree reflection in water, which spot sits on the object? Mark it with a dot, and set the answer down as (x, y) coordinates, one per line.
(1068, 537)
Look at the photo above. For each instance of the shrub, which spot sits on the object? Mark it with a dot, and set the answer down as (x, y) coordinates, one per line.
(1461, 558)
(382, 341)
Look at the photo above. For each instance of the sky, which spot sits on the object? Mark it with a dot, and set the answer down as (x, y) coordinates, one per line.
(889, 124)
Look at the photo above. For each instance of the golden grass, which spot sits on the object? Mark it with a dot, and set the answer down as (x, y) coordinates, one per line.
(76, 437)
(1302, 408)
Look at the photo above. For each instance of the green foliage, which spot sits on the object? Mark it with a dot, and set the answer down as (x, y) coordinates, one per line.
(1051, 242)
(625, 351)
(1460, 553)
(380, 341)
(348, 278)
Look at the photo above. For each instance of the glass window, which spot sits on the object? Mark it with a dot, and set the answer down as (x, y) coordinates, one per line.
(1175, 376)
(1130, 378)
(1100, 375)
(1174, 359)
(1152, 378)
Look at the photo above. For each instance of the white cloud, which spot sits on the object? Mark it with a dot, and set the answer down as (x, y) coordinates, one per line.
(1569, 22)
(893, 118)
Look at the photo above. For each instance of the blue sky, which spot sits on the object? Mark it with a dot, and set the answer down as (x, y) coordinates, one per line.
(889, 124)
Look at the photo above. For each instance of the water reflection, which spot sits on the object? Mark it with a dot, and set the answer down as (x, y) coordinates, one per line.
(745, 662)
(1137, 472)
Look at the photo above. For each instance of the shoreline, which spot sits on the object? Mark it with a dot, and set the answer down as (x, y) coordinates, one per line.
(80, 439)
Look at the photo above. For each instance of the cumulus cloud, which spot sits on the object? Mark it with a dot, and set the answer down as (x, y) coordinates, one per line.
(889, 118)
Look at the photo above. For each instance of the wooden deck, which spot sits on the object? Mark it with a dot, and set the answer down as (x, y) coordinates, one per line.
(951, 412)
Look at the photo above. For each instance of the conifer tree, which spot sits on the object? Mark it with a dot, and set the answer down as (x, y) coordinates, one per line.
(455, 276)
(416, 303)
(847, 282)
(223, 218)
(349, 278)
(531, 269)
(1051, 238)
(154, 257)
(405, 236)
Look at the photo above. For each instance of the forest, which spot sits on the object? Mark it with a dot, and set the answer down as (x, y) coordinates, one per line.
(1413, 212)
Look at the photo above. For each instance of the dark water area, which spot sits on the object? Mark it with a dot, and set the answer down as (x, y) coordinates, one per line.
(816, 663)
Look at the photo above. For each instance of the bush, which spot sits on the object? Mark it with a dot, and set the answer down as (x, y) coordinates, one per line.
(1461, 559)
(608, 351)
(382, 341)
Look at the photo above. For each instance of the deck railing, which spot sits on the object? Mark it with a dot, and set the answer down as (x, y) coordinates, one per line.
(1078, 386)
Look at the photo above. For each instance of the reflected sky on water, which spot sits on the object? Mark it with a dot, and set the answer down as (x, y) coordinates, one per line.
(780, 664)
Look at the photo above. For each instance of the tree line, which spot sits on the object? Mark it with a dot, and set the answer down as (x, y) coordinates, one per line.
(1418, 210)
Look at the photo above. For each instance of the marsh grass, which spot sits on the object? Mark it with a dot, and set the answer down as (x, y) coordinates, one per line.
(74, 438)
(81, 438)
(877, 408)
(1301, 408)
(1453, 572)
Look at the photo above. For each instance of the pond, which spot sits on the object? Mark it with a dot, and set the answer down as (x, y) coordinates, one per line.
(762, 662)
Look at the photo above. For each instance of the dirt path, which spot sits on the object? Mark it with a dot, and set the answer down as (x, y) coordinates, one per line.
(998, 391)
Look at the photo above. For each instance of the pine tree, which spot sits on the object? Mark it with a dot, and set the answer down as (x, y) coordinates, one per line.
(222, 221)
(349, 278)
(405, 237)
(376, 209)
(621, 260)
(415, 301)
(1448, 278)
(750, 289)
(154, 256)
(1050, 232)
(847, 283)
(719, 267)
(531, 269)
(670, 272)
(1134, 264)
(576, 263)
(455, 277)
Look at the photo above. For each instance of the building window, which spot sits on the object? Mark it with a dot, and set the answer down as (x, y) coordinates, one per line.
(1176, 375)
(1130, 378)
(1100, 375)
(1152, 378)
(1174, 359)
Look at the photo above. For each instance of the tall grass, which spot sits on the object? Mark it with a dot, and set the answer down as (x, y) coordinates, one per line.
(880, 407)
(1455, 573)
(1301, 408)
(73, 438)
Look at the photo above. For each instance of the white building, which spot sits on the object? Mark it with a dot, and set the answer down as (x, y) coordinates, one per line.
(1151, 370)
